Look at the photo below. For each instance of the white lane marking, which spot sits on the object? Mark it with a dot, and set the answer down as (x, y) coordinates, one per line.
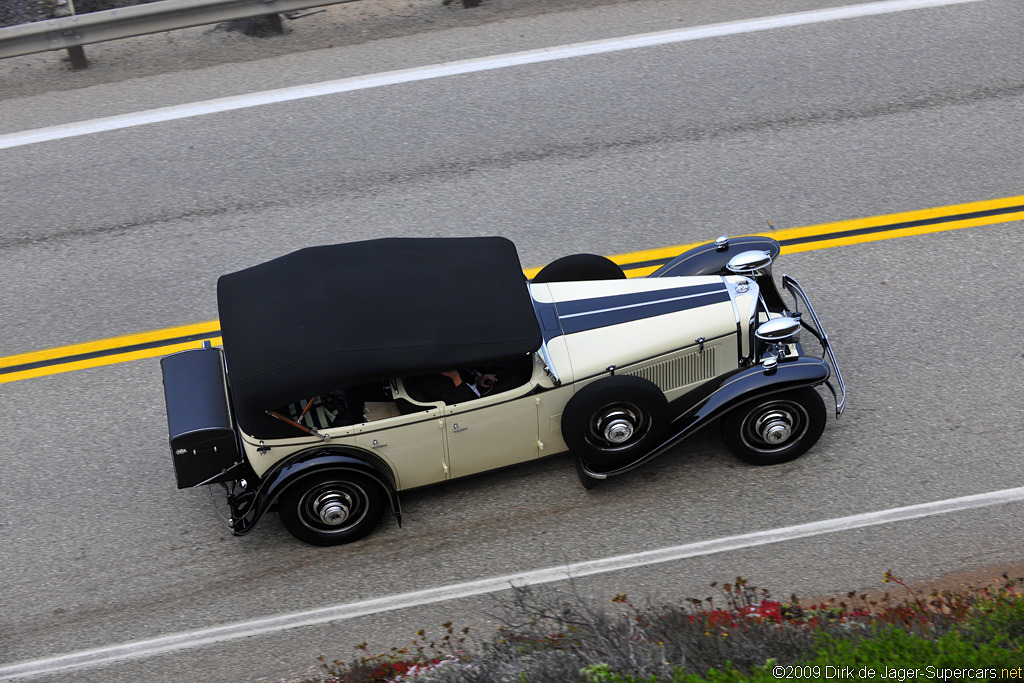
(218, 634)
(422, 73)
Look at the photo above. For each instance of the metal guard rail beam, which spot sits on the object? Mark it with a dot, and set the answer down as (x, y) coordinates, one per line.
(128, 22)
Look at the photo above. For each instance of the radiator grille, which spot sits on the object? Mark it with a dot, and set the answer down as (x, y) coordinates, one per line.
(679, 371)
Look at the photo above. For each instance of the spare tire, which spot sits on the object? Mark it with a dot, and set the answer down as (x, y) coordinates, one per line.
(613, 421)
(578, 268)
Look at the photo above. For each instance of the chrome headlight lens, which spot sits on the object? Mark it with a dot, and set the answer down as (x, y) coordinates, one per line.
(774, 336)
(783, 330)
(750, 263)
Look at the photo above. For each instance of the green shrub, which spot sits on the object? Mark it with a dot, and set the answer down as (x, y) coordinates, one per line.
(552, 637)
(997, 617)
(891, 653)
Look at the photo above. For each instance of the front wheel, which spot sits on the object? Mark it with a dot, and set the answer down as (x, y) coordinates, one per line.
(775, 429)
(331, 508)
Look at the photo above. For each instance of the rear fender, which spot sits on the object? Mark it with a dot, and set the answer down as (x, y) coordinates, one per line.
(303, 464)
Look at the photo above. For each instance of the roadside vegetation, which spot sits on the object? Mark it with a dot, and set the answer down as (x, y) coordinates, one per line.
(738, 634)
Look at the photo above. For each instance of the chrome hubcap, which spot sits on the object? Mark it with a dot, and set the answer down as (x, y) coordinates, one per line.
(332, 507)
(618, 430)
(775, 427)
(617, 426)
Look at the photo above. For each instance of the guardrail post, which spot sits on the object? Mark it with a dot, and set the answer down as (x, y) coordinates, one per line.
(76, 53)
(77, 56)
(273, 23)
(260, 25)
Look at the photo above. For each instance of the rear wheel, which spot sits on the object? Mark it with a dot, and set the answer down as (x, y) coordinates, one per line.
(775, 429)
(332, 507)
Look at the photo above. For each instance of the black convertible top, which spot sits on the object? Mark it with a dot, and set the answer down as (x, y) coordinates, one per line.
(331, 317)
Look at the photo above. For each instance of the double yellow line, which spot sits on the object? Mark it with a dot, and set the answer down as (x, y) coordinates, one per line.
(108, 351)
(636, 264)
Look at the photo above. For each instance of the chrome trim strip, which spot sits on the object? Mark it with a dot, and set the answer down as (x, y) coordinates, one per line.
(745, 344)
(819, 332)
(731, 288)
(549, 366)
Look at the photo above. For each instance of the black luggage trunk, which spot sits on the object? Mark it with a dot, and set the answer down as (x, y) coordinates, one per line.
(202, 435)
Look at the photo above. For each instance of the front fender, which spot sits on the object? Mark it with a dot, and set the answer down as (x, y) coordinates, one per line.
(709, 259)
(751, 383)
(305, 463)
(700, 408)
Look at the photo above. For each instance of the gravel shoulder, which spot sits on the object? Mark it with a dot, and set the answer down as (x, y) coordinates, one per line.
(957, 582)
(196, 48)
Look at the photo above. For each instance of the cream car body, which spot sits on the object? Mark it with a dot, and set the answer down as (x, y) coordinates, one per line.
(616, 370)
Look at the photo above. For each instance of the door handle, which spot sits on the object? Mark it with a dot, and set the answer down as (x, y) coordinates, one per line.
(455, 427)
(378, 445)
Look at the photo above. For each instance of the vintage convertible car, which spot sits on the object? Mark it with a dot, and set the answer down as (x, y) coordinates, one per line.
(352, 372)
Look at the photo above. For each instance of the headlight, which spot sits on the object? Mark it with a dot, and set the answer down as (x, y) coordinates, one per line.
(783, 330)
(774, 335)
(750, 263)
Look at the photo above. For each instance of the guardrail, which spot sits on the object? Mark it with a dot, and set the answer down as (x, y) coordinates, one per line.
(71, 33)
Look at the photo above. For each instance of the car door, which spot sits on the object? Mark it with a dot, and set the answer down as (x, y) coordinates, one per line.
(413, 446)
(492, 432)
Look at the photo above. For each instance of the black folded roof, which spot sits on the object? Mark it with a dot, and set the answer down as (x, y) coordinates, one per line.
(330, 317)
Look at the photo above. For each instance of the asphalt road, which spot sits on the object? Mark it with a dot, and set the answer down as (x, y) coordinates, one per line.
(127, 231)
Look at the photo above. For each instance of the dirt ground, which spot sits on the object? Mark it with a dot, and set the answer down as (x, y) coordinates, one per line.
(957, 582)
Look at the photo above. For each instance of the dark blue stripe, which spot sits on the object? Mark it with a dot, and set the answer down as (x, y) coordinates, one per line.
(547, 314)
(583, 305)
(596, 316)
